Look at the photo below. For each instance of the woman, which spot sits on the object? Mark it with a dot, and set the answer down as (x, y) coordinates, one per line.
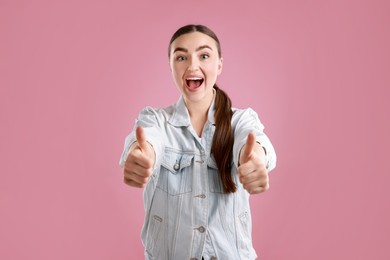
(198, 160)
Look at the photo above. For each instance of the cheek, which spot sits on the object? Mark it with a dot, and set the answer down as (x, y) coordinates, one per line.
(176, 74)
(212, 71)
(177, 68)
(174, 71)
(212, 67)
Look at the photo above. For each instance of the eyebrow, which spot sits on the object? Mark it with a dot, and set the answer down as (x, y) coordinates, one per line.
(197, 49)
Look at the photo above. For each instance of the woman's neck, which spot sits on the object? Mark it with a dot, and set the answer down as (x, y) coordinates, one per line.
(198, 112)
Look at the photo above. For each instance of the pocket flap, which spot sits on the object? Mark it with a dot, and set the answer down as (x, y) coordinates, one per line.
(176, 162)
(211, 163)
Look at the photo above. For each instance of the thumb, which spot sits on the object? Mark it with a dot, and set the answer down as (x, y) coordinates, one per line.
(141, 139)
(248, 148)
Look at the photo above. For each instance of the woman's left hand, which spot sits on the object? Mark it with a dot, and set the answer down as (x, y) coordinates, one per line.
(252, 171)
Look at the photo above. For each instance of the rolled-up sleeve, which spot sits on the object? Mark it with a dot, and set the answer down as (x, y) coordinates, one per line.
(246, 121)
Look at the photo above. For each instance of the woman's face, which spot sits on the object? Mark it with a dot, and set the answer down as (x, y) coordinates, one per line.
(195, 66)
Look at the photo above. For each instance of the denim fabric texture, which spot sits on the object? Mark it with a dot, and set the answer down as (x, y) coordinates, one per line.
(187, 214)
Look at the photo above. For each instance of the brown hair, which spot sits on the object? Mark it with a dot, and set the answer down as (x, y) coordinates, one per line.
(222, 146)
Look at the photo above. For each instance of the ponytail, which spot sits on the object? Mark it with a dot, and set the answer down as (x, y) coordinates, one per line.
(222, 146)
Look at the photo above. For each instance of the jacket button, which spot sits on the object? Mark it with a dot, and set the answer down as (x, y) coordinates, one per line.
(213, 258)
(176, 166)
(201, 229)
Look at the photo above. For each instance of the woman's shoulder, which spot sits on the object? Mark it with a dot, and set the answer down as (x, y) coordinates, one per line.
(159, 113)
(240, 112)
(245, 116)
(245, 120)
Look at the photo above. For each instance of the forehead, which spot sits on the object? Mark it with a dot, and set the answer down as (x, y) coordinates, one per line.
(191, 41)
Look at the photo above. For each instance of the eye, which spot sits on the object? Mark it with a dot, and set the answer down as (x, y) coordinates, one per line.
(180, 58)
(204, 56)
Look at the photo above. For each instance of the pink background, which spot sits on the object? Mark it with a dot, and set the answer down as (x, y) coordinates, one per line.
(74, 75)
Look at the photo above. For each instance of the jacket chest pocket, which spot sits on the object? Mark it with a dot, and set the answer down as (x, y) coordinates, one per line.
(214, 176)
(176, 173)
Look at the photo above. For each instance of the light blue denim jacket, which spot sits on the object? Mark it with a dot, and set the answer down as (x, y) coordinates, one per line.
(187, 214)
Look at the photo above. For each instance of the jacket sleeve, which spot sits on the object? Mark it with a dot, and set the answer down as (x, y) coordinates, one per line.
(246, 121)
(149, 120)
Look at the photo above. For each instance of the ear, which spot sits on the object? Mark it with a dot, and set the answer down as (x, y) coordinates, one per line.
(220, 66)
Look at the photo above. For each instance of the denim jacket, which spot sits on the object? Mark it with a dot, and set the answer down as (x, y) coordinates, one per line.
(188, 216)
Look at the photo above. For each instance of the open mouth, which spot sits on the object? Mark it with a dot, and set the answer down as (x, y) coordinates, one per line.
(194, 82)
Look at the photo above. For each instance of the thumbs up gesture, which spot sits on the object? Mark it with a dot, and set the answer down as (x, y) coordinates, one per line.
(252, 171)
(139, 162)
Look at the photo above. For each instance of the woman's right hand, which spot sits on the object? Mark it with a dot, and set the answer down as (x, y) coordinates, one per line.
(140, 161)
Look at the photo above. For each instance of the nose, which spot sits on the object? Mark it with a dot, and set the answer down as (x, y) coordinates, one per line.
(193, 65)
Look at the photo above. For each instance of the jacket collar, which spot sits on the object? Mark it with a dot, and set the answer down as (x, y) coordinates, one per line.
(181, 117)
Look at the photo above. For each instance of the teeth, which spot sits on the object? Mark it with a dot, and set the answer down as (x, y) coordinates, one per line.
(194, 78)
